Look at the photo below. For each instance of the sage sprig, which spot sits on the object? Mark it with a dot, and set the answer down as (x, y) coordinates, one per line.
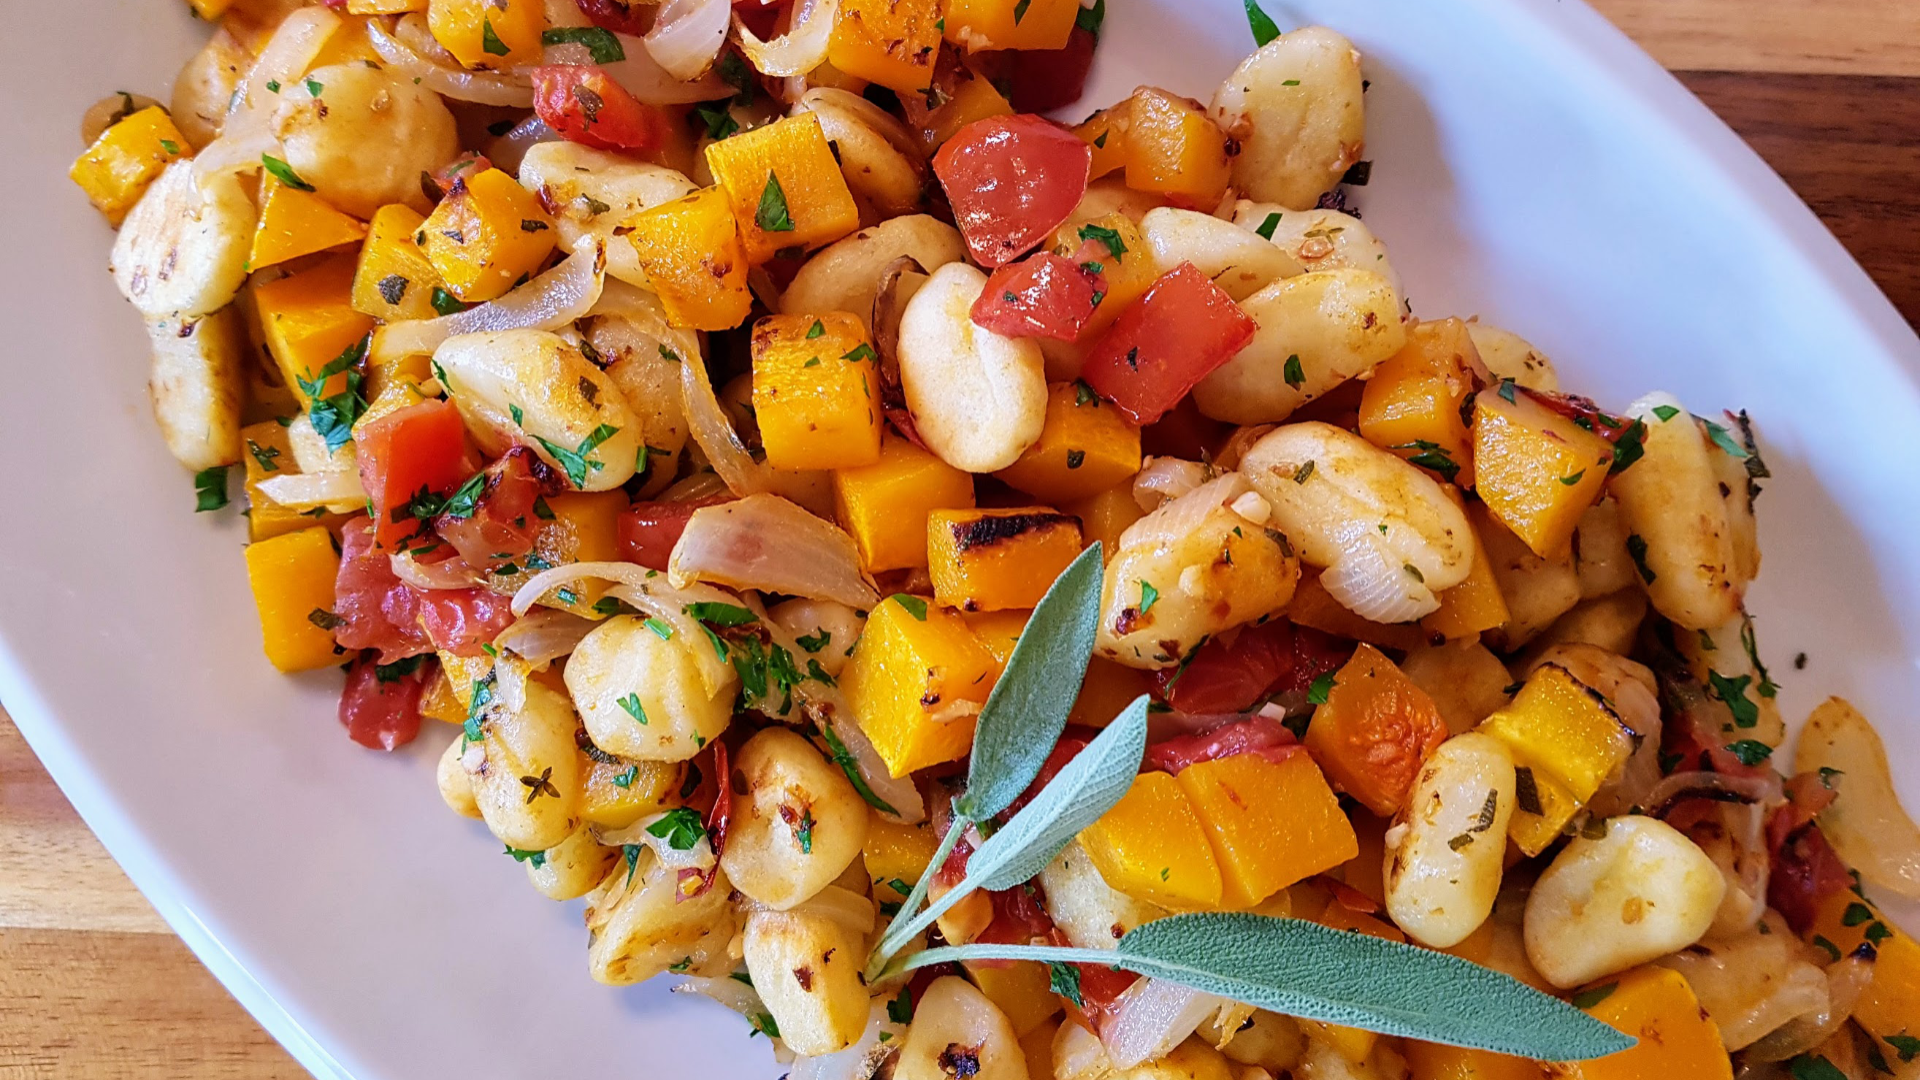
(1303, 969)
(1024, 715)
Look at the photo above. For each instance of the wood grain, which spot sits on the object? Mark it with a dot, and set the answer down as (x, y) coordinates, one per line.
(93, 988)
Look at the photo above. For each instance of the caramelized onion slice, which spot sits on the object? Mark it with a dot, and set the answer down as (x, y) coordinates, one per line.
(767, 543)
(1866, 823)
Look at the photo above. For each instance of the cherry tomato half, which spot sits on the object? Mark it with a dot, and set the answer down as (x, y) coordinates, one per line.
(1182, 328)
(1046, 295)
(585, 105)
(1011, 181)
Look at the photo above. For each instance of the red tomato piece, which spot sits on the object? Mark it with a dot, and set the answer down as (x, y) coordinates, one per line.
(618, 16)
(1231, 678)
(499, 523)
(584, 104)
(1047, 79)
(470, 163)
(1691, 734)
(1100, 988)
(1182, 328)
(1805, 872)
(418, 452)
(380, 707)
(1260, 735)
(1018, 919)
(1046, 295)
(1011, 181)
(690, 882)
(462, 620)
(1314, 654)
(648, 530)
(377, 610)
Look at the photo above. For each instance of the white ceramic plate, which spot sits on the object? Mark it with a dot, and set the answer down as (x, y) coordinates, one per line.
(1531, 165)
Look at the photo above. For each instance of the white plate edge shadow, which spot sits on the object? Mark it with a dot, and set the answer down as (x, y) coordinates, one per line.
(1598, 53)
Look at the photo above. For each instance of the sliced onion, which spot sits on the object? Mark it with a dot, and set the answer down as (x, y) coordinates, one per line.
(509, 150)
(1763, 790)
(296, 42)
(647, 590)
(767, 543)
(1846, 981)
(338, 490)
(734, 994)
(643, 77)
(1866, 823)
(237, 150)
(699, 857)
(643, 309)
(873, 116)
(799, 50)
(541, 637)
(687, 35)
(548, 302)
(481, 87)
(863, 1059)
(1179, 519)
(454, 573)
(1164, 479)
(1151, 1018)
(1078, 1055)
(848, 908)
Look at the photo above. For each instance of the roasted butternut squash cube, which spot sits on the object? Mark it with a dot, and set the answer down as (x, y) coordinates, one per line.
(1350, 1043)
(1126, 261)
(1106, 515)
(1085, 447)
(1106, 132)
(1374, 731)
(814, 391)
(1411, 404)
(116, 170)
(292, 578)
(618, 793)
(1472, 607)
(309, 321)
(295, 223)
(690, 249)
(1109, 688)
(896, 855)
(1152, 846)
(209, 10)
(785, 187)
(584, 528)
(1271, 823)
(1011, 24)
(1432, 1061)
(1022, 989)
(437, 701)
(270, 454)
(1676, 1036)
(384, 7)
(1566, 740)
(1889, 1008)
(884, 506)
(999, 631)
(487, 235)
(915, 682)
(1536, 470)
(394, 279)
(1175, 149)
(489, 35)
(348, 45)
(992, 560)
(973, 99)
(890, 42)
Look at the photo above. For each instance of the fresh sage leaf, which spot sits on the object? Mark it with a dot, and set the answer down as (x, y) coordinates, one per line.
(1027, 711)
(1307, 970)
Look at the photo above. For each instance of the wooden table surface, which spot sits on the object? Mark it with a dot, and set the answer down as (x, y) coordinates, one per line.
(93, 985)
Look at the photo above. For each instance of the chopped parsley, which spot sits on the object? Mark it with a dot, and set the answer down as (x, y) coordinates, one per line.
(1261, 24)
(631, 703)
(1321, 688)
(490, 42)
(601, 45)
(1295, 375)
(575, 463)
(1109, 237)
(210, 489)
(1149, 596)
(284, 173)
(915, 606)
(1587, 999)
(1265, 231)
(1734, 692)
(1064, 979)
(772, 215)
(681, 828)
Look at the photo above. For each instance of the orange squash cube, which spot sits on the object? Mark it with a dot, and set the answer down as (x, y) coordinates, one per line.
(975, 98)
(1411, 404)
(1375, 730)
(487, 235)
(295, 223)
(270, 454)
(1432, 1061)
(896, 855)
(1152, 846)
(127, 157)
(489, 35)
(1085, 448)
(1536, 470)
(1271, 823)
(690, 249)
(1106, 132)
(1022, 989)
(209, 10)
(814, 381)
(384, 7)
(1129, 273)
(999, 631)
(1475, 605)
(884, 506)
(1175, 149)
(292, 578)
(394, 280)
(991, 560)
(1566, 739)
(1676, 1036)
(1109, 688)
(619, 793)
(309, 321)
(1106, 515)
(785, 186)
(1011, 24)
(1890, 1006)
(890, 42)
(915, 682)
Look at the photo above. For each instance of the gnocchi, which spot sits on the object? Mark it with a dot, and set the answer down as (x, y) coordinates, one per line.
(977, 398)
(1316, 331)
(363, 136)
(644, 697)
(797, 823)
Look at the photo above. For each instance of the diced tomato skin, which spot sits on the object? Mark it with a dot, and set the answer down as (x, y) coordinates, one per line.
(1018, 919)
(1805, 872)
(471, 163)
(383, 715)
(1100, 987)
(1260, 735)
(377, 609)
(1314, 654)
(648, 530)
(460, 621)
(585, 105)
(691, 882)
(421, 448)
(503, 521)
(618, 15)
(1011, 181)
(1045, 295)
(1047, 79)
(1178, 332)
(1229, 678)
